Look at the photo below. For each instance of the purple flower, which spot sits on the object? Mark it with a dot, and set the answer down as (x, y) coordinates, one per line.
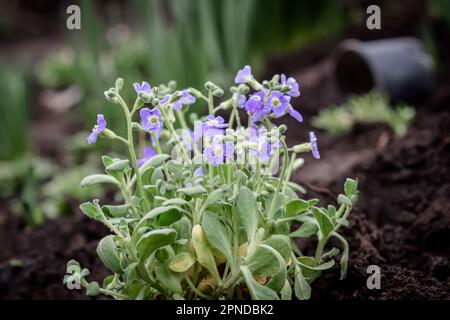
(278, 103)
(241, 99)
(185, 99)
(314, 148)
(244, 75)
(264, 147)
(218, 152)
(198, 172)
(98, 128)
(295, 114)
(148, 154)
(214, 123)
(144, 87)
(151, 120)
(164, 100)
(187, 139)
(294, 92)
(255, 102)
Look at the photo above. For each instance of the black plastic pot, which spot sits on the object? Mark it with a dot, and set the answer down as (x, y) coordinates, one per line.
(398, 67)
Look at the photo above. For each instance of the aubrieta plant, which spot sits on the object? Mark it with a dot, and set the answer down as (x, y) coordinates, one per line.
(217, 216)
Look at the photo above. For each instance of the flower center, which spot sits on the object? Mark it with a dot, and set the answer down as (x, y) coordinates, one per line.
(218, 150)
(213, 123)
(276, 102)
(256, 98)
(153, 119)
(95, 128)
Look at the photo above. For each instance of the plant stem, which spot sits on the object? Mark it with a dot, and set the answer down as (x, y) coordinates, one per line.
(210, 103)
(132, 151)
(280, 179)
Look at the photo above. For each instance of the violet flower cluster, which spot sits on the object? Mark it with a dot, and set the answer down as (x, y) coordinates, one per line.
(209, 208)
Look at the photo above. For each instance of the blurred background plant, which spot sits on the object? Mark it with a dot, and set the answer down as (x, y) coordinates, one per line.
(153, 40)
(368, 108)
(187, 40)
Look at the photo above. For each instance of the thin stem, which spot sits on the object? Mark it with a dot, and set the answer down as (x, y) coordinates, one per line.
(114, 294)
(210, 103)
(159, 151)
(193, 288)
(280, 179)
(289, 171)
(132, 151)
(180, 117)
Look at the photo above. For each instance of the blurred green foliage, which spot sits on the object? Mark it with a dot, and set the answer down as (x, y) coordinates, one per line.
(187, 40)
(372, 107)
(13, 113)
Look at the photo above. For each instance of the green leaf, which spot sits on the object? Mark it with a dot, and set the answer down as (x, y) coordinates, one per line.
(286, 291)
(257, 290)
(119, 211)
(107, 160)
(167, 278)
(344, 200)
(324, 221)
(311, 264)
(215, 196)
(296, 187)
(301, 286)
(167, 215)
(204, 254)
(217, 235)
(107, 251)
(93, 289)
(182, 262)
(294, 207)
(176, 169)
(350, 187)
(153, 240)
(306, 230)
(177, 202)
(344, 257)
(117, 165)
(157, 175)
(154, 162)
(246, 210)
(92, 209)
(281, 243)
(98, 178)
(277, 281)
(193, 191)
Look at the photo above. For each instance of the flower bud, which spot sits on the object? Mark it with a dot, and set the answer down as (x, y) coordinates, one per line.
(108, 134)
(172, 85)
(266, 84)
(209, 85)
(282, 128)
(111, 95)
(136, 126)
(275, 79)
(243, 88)
(301, 148)
(145, 97)
(218, 92)
(119, 84)
(195, 92)
(177, 95)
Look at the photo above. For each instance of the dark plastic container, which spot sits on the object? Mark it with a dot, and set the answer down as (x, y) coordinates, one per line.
(398, 67)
